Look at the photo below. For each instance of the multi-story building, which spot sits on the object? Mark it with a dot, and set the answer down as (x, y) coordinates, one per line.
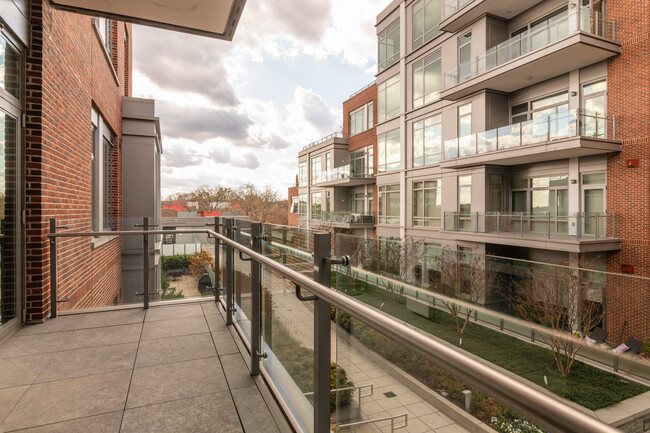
(336, 174)
(510, 128)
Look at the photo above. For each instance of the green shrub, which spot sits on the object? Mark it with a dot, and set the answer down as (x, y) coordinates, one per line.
(644, 351)
(164, 281)
(171, 293)
(180, 261)
(339, 379)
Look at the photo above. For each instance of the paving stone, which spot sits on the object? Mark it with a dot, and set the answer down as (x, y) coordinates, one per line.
(59, 324)
(93, 337)
(173, 312)
(224, 343)
(33, 344)
(255, 415)
(174, 349)
(113, 318)
(236, 372)
(8, 399)
(22, 370)
(174, 327)
(106, 423)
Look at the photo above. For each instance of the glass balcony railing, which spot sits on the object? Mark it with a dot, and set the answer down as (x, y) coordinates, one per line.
(344, 217)
(452, 6)
(579, 226)
(343, 173)
(531, 40)
(574, 123)
(324, 139)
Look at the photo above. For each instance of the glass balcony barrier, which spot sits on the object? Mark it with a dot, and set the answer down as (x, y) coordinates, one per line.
(573, 123)
(574, 21)
(344, 217)
(452, 6)
(324, 139)
(578, 226)
(344, 172)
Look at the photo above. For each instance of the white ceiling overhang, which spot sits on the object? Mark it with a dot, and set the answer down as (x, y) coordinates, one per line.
(212, 18)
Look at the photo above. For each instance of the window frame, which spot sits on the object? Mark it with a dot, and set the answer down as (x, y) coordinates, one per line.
(316, 163)
(385, 193)
(424, 186)
(430, 33)
(103, 188)
(382, 140)
(433, 157)
(420, 68)
(382, 38)
(366, 112)
(383, 88)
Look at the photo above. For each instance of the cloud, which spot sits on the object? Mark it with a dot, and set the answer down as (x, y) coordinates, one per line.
(310, 107)
(245, 160)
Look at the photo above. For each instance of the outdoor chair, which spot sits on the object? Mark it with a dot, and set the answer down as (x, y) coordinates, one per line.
(597, 335)
(631, 346)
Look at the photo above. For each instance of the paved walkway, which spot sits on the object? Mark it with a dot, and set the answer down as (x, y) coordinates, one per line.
(170, 369)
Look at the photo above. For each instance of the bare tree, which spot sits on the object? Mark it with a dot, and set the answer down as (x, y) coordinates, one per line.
(563, 300)
(207, 197)
(264, 205)
(464, 277)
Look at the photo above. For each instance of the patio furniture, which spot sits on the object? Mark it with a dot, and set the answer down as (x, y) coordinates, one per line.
(597, 335)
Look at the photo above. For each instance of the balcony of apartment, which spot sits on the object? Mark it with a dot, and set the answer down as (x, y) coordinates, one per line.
(577, 39)
(459, 13)
(335, 137)
(349, 220)
(578, 232)
(563, 135)
(346, 176)
(255, 355)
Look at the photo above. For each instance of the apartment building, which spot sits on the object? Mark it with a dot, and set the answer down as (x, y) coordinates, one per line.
(510, 128)
(336, 174)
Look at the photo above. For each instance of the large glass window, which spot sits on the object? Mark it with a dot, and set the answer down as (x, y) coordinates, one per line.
(302, 173)
(104, 174)
(357, 203)
(465, 194)
(316, 204)
(389, 204)
(388, 99)
(427, 80)
(594, 103)
(361, 163)
(9, 68)
(388, 43)
(105, 30)
(427, 141)
(427, 15)
(464, 56)
(316, 169)
(551, 115)
(427, 203)
(361, 119)
(302, 208)
(295, 204)
(465, 120)
(388, 151)
(546, 199)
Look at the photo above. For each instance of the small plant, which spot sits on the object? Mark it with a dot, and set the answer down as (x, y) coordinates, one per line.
(171, 293)
(198, 261)
(516, 426)
(644, 350)
(180, 261)
(339, 379)
(164, 281)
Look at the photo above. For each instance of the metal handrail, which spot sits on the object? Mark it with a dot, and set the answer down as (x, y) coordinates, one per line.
(324, 139)
(540, 407)
(367, 86)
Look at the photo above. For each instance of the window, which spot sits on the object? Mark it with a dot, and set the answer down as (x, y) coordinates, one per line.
(361, 163)
(427, 141)
(357, 203)
(388, 99)
(104, 171)
(328, 201)
(316, 169)
(552, 111)
(427, 203)
(295, 204)
(10, 68)
(389, 204)
(105, 30)
(427, 80)
(302, 207)
(464, 56)
(426, 21)
(465, 194)
(328, 161)
(389, 149)
(546, 195)
(519, 113)
(302, 173)
(593, 203)
(594, 102)
(388, 46)
(465, 120)
(316, 198)
(361, 119)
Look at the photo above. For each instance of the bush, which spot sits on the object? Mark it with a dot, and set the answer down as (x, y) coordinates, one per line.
(171, 293)
(180, 261)
(516, 426)
(339, 379)
(164, 281)
(198, 261)
(644, 351)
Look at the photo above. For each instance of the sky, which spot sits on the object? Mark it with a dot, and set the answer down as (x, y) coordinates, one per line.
(239, 112)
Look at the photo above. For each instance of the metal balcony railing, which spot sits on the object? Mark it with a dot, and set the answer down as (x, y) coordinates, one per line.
(342, 173)
(573, 21)
(324, 139)
(574, 123)
(579, 226)
(344, 217)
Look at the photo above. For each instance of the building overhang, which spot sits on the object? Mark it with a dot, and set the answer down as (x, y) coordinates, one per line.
(548, 151)
(212, 18)
(475, 9)
(573, 52)
(347, 182)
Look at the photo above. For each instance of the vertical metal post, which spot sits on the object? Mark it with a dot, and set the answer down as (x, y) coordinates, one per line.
(228, 280)
(217, 267)
(614, 126)
(548, 223)
(498, 221)
(597, 224)
(53, 286)
(256, 294)
(548, 131)
(322, 343)
(521, 223)
(145, 262)
(578, 225)
(476, 228)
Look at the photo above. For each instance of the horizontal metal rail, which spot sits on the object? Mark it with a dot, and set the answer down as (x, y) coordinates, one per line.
(544, 409)
(124, 233)
(392, 420)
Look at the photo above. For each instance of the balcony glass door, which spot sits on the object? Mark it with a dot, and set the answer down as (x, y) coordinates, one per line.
(593, 203)
(594, 100)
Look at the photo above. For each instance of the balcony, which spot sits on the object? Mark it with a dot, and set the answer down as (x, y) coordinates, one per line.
(573, 41)
(459, 13)
(256, 358)
(345, 176)
(560, 136)
(323, 140)
(345, 219)
(577, 232)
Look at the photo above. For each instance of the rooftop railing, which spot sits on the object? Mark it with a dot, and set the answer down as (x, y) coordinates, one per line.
(579, 226)
(324, 139)
(574, 123)
(531, 40)
(367, 86)
(275, 291)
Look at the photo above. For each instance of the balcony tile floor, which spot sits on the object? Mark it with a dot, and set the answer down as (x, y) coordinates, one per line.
(169, 369)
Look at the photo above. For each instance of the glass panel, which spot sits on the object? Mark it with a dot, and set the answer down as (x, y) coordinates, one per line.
(594, 178)
(8, 218)
(594, 204)
(9, 68)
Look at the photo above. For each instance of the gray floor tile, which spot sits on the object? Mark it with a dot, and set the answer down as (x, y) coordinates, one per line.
(106, 423)
(89, 361)
(224, 342)
(174, 327)
(69, 399)
(174, 349)
(254, 414)
(113, 318)
(176, 381)
(173, 312)
(8, 399)
(60, 324)
(204, 414)
(216, 323)
(93, 337)
(22, 370)
(33, 344)
(236, 372)
(209, 308)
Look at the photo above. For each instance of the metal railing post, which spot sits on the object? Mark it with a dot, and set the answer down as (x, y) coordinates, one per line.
(476, 227)
(498, 221)
(521, 223)
(256, 295)
(228, 274)
(217, 267)
(322, 343)
(614, 126)
(597, 224)
(548, 130)
(145, 262)
(548, 223)
(53, 282)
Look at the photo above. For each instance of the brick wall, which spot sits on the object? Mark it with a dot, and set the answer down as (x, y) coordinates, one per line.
(68, 74)
(293, 217)
(628, 189)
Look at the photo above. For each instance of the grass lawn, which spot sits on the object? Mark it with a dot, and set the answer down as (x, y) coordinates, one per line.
(588, 386)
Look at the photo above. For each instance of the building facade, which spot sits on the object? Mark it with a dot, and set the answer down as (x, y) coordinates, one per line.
(509, 128)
